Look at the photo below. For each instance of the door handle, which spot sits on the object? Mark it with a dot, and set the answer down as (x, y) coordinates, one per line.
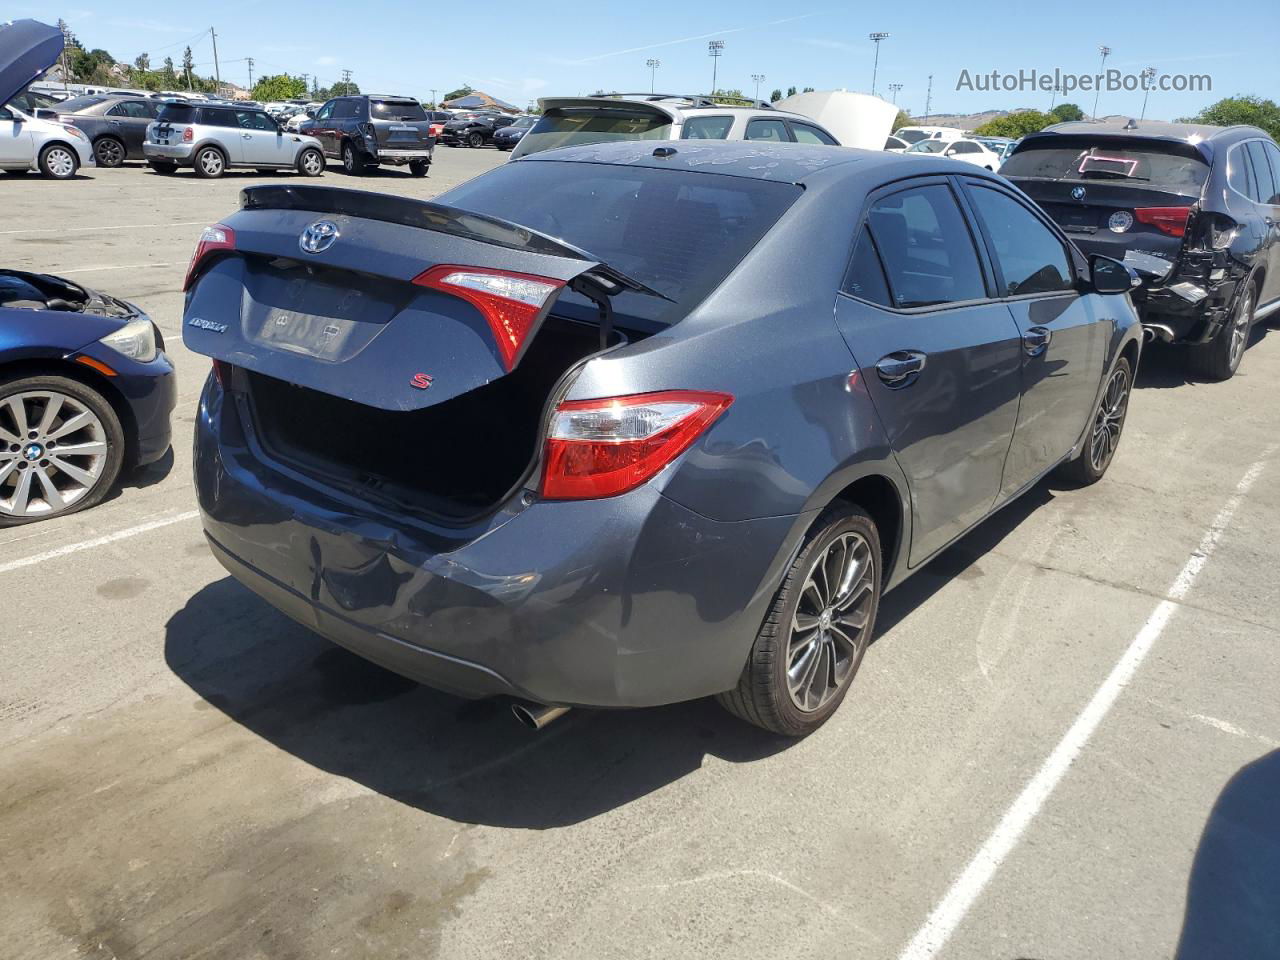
(246, 136)
(901, 368)
(1036, 340)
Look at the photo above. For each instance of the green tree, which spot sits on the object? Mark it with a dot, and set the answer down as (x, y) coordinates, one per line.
(791, 91)
(462, 91)
(187, 64)
(775, 96)
(807, 90)
(142, 62)
(168, 76)
(278, 86)
(1246, 109)
(1066, 112)
(903, 119)
(723, 95)
(1015, 125)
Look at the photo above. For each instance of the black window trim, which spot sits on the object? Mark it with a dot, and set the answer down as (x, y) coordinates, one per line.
(1273, 173)
(1243, 147)
(864, 229)
(966, 214)
(1074, 257)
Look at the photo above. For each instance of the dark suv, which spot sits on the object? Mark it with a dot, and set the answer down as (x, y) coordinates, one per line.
(116, 125)
(474, 131)
(1194, 209)
(369, 130)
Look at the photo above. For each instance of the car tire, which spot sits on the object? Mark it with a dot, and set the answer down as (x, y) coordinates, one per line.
(814, 636)
(352, 163)
(475, 140)
(210, 163)
(419, 168)
(109, 152)
(311, 162)
(97, 473)
(59, 162)
(1219, 359)
(162, 166)
(1105, 429)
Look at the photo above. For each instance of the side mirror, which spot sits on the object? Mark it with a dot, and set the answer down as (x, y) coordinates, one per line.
(44, 113)
(7, 114)
(311, 114)
(1111, 276)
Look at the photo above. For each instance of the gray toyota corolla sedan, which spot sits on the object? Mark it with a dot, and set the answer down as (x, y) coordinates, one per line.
(623, 425)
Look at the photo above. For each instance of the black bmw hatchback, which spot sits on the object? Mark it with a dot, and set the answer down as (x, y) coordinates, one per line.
(1194, 209)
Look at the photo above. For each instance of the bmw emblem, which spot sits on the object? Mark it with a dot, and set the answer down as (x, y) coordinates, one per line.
(1077, 193)
(318, 237)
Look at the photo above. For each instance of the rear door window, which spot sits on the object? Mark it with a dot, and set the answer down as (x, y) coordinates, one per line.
(806, 133)
(774, 131)
(927, 249)
(1239, 174)
(130, 108)
(1261, 171)
(1031, 257)
(254, 120)
(344, 110)
(707, 128)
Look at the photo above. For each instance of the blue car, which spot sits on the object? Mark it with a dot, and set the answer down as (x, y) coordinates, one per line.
(85, 393)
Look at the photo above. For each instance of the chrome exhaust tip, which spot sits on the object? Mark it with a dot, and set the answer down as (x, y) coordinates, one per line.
(1157, 331)
(535, 716)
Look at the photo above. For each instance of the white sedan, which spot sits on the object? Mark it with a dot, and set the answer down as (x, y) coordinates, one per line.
(970, 151)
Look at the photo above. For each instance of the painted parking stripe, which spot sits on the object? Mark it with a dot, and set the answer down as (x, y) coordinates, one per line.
(122, 226)
(122, 266)
(102, 541)
(951, 909)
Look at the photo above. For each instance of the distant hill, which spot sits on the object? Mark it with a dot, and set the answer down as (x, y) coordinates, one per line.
(971, 121)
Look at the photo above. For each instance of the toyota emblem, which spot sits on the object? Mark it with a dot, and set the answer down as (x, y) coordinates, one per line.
(1077, 193)
(318, 237)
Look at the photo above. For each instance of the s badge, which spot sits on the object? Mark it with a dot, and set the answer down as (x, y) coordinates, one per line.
(420, 381)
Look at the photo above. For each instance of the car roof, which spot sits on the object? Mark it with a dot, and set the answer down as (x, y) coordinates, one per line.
(1154, 129)
(755, 159)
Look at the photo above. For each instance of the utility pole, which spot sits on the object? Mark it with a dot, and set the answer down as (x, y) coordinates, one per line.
(1106, 52)
(653, 65)
(877, 37)
(1057, 89)
(715, 49)
(66, 41)
(435, 104)
(1147, 75)
(928, 100)
(217, 72)
(893, 89)
(759, 79)
(346, 82)
(304, 83)
(249, 61)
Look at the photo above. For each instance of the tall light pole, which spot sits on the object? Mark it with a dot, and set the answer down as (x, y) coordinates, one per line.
(1106, 52)
(1147, 75)
(715, 49)
(653, 65)
(249, 61)
(1057, 89)
(928, 100)
(877, 37)
(435, 104)
(893, 89)
(759, 79)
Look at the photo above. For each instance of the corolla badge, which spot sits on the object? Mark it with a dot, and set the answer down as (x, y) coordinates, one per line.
(1077, 193)
(318, 237)
(202, 324)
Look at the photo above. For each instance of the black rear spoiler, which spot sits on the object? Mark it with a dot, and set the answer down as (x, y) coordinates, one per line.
(438, 217)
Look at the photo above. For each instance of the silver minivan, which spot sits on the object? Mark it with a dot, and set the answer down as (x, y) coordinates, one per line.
(209, 138)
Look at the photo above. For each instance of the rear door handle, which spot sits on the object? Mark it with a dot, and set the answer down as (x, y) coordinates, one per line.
(1036, 340)
(901, 368)
(246, 136)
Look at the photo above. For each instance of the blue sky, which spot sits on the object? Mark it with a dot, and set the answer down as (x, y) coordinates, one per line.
(521, 50)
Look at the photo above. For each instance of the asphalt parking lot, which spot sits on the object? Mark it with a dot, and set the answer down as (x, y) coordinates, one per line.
(1052, 718)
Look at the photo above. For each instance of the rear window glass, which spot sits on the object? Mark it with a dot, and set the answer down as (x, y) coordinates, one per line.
(677, 232)
(397, 110)
(911, 136)
(177, 112)
(76, 104)
(564, 127)
(1170, 171)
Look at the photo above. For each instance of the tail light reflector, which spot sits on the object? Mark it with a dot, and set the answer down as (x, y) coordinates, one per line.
(601, 448)
(1170, 220)
(213, 239)
(221, 372)
(513, 304)
(187, 135)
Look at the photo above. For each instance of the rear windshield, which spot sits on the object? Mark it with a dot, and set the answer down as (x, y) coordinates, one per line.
(76, 104)
(1149, 166)
(565, 126)
(176, 113)
(911, 136)
(678, 232)
(397, 110)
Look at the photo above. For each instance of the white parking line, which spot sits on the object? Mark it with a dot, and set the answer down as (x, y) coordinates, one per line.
(123, 226)
(98, 541)
(122, 266)
(951, 909)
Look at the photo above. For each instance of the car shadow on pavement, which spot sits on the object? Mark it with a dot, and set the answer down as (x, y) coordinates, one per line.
(470, 761)
(1165, 366)
(1233, 896)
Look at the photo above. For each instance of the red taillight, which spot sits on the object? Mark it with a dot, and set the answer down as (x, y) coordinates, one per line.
(512, 303)
(221, 372)
(213, 239)
(187, 135)
(1170, 220)
(600, 448)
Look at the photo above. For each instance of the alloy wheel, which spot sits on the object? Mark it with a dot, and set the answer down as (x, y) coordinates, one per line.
(60, 162)
(110, 152)
(211, 162)
(1109, 420)
(312, 162)
(53, 451)
(1240, 324)
(829, 628)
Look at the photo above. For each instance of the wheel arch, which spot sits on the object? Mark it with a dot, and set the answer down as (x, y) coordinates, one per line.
(50, 144)
(879, 496)
(56, 365)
